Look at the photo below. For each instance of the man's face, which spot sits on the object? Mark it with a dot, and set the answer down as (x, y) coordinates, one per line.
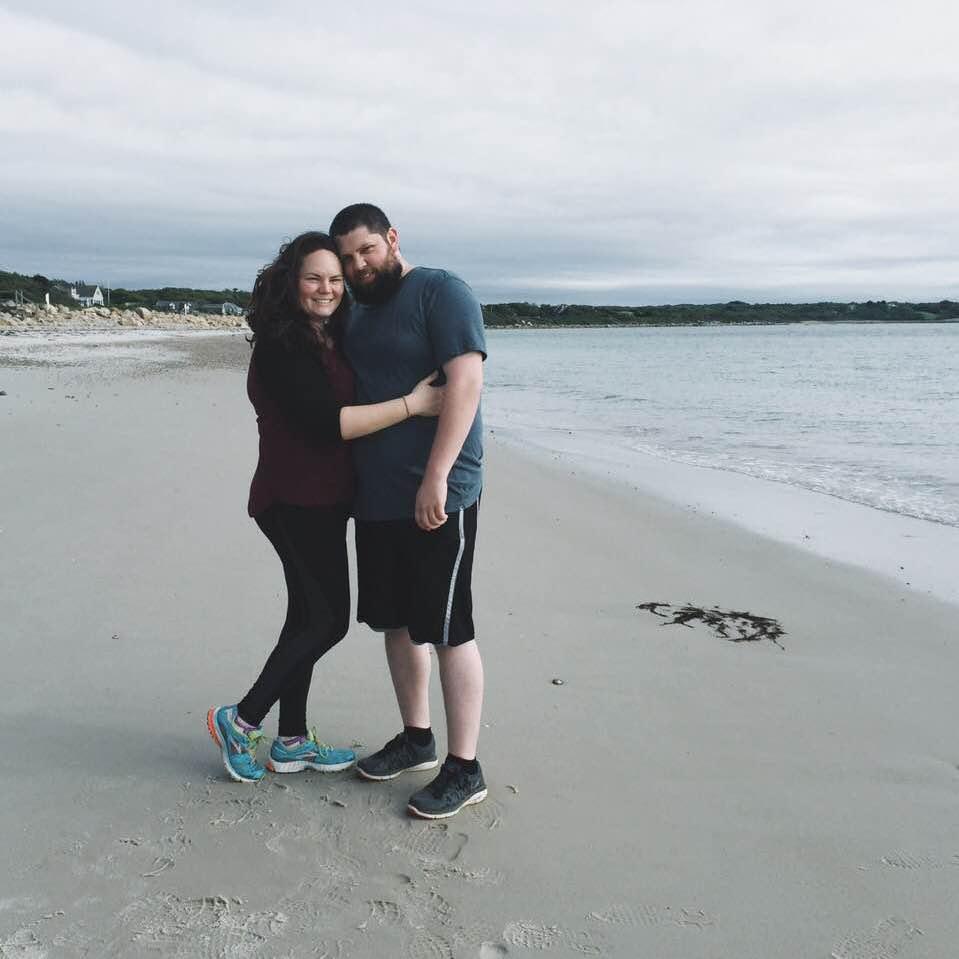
(371, 263)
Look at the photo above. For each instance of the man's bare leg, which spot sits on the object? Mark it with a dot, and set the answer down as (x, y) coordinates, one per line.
(461, 673)
(410, 671)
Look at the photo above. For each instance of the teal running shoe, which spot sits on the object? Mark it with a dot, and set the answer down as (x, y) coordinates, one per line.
(238, 749)
(309, 754)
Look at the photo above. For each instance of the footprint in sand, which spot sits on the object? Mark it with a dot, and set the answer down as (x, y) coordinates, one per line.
(646, 915)
(236, 812)
(435, 842)
(427, 906)
(532, 935)
(585, 943)
(334, 949)
(23, 944)
(492, 950)
(526, 934)
(427, 945)
(902, 860)
(201, 927)
(886, 941)
(489, 813)
(309, 911)
(384, 912)
(472, 936)
(333, 886)
(278, 842)
(301, 840)
(378, 804)
(116, 859)
(448, 870)
(336, 834)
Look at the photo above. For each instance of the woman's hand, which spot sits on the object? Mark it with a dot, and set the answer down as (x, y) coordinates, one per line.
(426, 400)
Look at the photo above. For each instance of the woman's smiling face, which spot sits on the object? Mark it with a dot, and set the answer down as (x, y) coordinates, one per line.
(320, 284)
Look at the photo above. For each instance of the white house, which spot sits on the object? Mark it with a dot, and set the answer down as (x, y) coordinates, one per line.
(86, 295)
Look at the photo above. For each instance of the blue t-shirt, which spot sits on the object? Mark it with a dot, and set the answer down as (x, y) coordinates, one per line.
(432, 318)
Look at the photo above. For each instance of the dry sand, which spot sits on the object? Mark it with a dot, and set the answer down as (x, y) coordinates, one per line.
(679, 795)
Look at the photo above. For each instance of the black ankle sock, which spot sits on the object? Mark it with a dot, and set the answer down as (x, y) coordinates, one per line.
(470, 765)
(419, 736)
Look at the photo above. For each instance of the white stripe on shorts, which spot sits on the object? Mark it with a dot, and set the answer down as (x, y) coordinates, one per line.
(456, 569)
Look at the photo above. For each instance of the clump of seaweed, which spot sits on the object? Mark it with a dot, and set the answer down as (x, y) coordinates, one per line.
(733, 625)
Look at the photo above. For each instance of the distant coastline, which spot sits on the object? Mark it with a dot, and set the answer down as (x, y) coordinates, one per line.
(734, 313)
(37, 302)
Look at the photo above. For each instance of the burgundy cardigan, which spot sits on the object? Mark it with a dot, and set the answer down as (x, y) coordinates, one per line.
(297, 394)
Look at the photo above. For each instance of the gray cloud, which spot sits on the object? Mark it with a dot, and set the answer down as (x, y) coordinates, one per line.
(618, 152)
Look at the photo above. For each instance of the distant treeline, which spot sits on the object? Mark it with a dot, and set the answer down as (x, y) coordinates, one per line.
(35, 287)
(686, 314)
(178, 294)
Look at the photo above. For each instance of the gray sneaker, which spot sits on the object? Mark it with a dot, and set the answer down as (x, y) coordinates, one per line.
(398, 756)
(446, 795)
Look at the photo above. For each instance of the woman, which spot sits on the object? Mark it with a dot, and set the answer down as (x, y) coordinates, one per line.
(301, 387)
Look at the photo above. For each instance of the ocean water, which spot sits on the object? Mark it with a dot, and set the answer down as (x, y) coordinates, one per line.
(864, 413)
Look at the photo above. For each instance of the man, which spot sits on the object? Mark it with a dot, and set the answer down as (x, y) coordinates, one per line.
(419, 486)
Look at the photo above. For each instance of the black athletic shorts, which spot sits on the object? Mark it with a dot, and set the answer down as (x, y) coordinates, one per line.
(418, 579)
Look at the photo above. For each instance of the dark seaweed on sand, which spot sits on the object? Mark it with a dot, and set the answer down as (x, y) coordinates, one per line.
(730, 624)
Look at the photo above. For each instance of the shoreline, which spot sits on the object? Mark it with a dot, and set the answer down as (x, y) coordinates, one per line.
(34, 319)
(915, 553)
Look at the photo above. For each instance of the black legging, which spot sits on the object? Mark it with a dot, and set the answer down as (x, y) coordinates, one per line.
(311, 544)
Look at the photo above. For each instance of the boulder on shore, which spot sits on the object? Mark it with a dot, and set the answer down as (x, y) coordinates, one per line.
(28, 317)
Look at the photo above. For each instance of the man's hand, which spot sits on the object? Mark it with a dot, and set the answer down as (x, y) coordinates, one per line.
(431, 503)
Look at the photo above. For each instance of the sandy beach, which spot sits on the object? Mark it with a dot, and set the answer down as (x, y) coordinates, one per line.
(676, 796)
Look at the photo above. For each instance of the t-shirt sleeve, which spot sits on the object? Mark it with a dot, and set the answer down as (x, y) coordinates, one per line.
(454, 320)
(300, 386)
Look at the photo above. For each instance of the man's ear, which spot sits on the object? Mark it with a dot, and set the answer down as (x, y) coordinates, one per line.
(393, 239)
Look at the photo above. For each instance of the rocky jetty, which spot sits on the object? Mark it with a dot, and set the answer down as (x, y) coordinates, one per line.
(30, 318)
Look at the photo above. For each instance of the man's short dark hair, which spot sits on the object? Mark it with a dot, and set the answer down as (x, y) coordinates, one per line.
(359, 214)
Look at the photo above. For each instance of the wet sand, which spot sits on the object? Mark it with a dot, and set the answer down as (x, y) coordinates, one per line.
(677, 795)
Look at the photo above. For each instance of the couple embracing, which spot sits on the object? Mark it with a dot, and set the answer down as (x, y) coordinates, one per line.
(350, 423)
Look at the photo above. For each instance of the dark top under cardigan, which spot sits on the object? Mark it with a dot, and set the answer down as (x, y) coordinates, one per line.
(298, 394)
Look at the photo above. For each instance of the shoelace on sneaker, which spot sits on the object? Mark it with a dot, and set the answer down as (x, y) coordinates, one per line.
(323, 749)
(252, 737)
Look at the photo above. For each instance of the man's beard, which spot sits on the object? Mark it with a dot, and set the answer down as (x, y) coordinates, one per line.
(386, 281)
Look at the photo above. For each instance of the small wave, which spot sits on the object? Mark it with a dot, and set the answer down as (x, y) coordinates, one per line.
(915, 503)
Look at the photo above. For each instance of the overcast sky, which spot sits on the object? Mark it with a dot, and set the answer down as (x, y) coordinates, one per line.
(604, 152)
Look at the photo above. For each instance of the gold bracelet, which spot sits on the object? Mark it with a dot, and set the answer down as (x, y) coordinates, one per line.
(407, 405)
